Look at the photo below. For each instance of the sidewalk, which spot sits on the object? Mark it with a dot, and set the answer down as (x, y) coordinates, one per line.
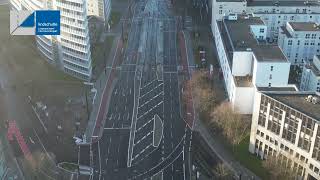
(214, 145)
(103, 86)
(225, 156)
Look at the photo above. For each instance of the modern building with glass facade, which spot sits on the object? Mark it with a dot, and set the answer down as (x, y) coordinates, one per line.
(286, 124)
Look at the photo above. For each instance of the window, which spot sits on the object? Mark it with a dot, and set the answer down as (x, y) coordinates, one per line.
(290, 42)
(307, 36)
(270, 77)
(269, 84)
(261, 30)
(271, 68)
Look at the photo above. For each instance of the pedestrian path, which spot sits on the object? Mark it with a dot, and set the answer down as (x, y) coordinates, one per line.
(224, 155)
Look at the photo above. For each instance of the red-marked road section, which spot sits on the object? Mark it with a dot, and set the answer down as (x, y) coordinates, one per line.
(103, 107)
(13, 131)
(188, 114)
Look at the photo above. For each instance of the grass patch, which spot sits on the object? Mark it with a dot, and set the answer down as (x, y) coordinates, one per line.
(248, 160)
(70, 167)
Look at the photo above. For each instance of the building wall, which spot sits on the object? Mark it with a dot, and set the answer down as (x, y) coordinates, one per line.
(224, 63)
(275, 74)
(242, 63)
(279, 129)
(243, 99)
(299, 49)
(310, 81)
(259, 31)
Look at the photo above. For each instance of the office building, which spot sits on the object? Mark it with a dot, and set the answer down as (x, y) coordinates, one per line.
(247, 60)
(69, 51)
(273, 13)
(286, 124)
(300, 41)
(310, 80)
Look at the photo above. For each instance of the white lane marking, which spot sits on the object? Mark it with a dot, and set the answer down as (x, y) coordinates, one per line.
(154, 97)
(149, 83)
(151, 90)
(144, 125)
(154, 107)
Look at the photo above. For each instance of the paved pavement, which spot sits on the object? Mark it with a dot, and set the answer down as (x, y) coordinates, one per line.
(146, 88)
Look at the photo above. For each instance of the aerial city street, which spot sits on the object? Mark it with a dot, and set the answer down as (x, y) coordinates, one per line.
(159, 90)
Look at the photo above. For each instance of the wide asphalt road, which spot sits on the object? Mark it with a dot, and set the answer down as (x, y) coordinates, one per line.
(144, 135)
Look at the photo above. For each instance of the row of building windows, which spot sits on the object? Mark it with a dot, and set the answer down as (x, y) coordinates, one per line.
(65, 34)
(73, 51)
(76, 66)
(73, 58)
(70, 3)
(73, 43)
(74, 73)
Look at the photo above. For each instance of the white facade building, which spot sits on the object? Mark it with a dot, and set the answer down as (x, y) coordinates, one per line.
(310, 80)
(286, 125)
(69, 51)
(247, 61)
(300, 41)
(274, 14)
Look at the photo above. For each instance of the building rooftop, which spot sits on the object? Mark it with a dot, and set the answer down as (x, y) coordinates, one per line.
(297, 100)
(237, 36)
(287, 88)
(282, 3)
(304, 26)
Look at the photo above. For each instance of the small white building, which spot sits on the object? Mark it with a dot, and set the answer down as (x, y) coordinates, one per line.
(273, 13)
(300, 41)
(247, 60)
(310, 80)
(286, 124)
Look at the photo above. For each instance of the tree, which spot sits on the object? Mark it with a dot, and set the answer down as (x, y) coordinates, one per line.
(279, 168)
(222, 172)
(202, 93)
(234, 126)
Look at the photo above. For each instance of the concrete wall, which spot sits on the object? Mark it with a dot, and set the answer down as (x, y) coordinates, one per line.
(242, 63)
(244, 99)
(262, 74)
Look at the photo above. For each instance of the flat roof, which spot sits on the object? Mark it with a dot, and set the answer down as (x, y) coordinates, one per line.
(304, 26)
(237, 36)
(297, 100)
(282, 3)
(276, 88)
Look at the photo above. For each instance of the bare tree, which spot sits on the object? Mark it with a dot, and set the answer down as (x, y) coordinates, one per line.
(280, 168)
(202, 93)
(222, 172)
(234, 126)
